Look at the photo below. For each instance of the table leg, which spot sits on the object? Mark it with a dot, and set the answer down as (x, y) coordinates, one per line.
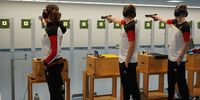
(190, 80)
(67, 88)
(114, 86)
(161, 82)
(30, 95)
(84, 85)
(91, 92)
(146, 83)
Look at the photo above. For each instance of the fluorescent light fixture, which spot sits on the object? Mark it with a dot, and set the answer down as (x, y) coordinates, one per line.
(174, 1)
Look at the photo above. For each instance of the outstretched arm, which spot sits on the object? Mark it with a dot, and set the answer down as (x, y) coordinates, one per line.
(113, 19)
(155, 18)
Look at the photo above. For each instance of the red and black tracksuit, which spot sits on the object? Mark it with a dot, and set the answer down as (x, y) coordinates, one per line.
(53, 72)
(176, 72)
(128, 74)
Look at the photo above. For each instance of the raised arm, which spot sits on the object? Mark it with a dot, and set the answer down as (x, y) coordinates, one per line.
(156, 18)
(113, 19)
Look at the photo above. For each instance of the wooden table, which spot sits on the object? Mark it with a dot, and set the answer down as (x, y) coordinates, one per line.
(149, 65)
(193, 66)
(38, 76)
(31, 80)
(98, 68)
(88, 83)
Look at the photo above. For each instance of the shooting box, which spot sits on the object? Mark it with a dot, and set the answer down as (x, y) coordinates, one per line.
(106, 65)
(38, 69)
(193, 61)
(151, 63)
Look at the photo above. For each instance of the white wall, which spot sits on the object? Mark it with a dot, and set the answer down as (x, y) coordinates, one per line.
(19, 10)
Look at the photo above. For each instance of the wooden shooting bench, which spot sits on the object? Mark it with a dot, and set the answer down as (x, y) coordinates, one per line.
(106, 66)
(193, 66)
(38, 76)
(152, 64)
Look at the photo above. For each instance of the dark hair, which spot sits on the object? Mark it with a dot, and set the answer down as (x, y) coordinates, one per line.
(181, 10)
(45, 14)
(129, 11)
(53, 12)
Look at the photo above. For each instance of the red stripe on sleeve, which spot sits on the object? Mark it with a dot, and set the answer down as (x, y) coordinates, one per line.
(122, 22)
(53, 42)
(169, 21)
(186, 36)
(131, 35)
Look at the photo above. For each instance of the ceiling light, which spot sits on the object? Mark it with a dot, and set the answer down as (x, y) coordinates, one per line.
(174, 1)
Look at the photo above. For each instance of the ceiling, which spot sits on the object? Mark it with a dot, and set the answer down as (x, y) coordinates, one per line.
(148, 2)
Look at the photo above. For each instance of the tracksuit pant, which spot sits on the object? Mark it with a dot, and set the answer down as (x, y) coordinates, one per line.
(55, 82)
(176, 74)
(129, 81)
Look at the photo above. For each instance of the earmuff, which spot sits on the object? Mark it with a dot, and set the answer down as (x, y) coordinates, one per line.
(129, 12)
(45, 14)
(125, 14)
